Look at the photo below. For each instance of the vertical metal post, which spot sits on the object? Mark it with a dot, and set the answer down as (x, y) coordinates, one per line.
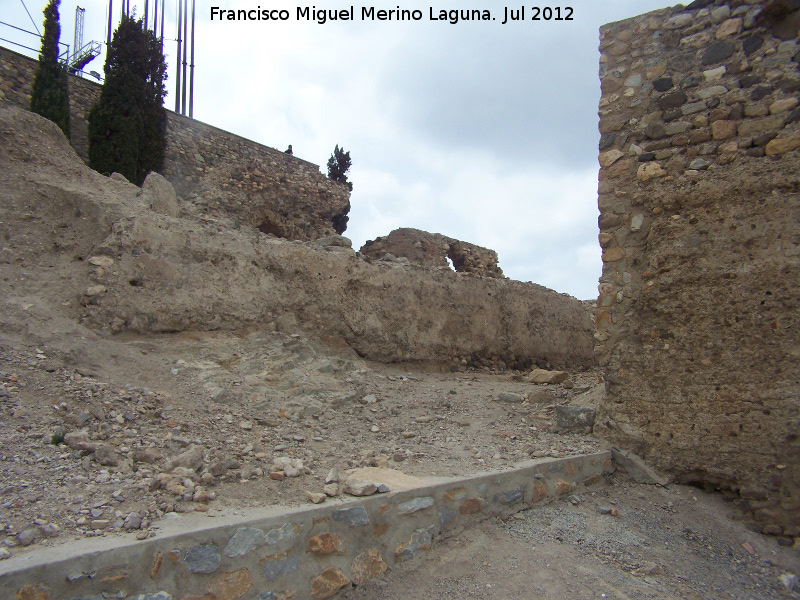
(110, 12)
(145, 15)
(178, 69)
(191, 71)
(162, 25)
(185, 34)
(155, 18)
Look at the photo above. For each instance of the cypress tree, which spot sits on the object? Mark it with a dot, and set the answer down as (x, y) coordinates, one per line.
(128, 125)
(338, 166)
(50, 93)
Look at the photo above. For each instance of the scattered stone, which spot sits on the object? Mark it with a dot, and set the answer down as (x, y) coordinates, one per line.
(575, 419)
(291, 467)
(315, 497)
(191, 459)
(27, 536)
(158, 191)
(359, 487)
(4, 554)
(543, 376)
(95, 290)
(79, 440)
(106, 456)
(332, 489)
(512, 398)
(789, 581)
(147, 455)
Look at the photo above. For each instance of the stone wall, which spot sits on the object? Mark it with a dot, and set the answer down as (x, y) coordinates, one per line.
(297, 553)
(222, 173)
(432, 250)
(699, 194)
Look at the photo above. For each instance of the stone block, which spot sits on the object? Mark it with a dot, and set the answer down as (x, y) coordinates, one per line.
(367, 566)
(575, 419)
(231, 585)
(326, 543)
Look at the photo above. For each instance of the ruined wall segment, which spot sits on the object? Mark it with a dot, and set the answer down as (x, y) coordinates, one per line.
(225, 175)
(699, 195)
(432, 250)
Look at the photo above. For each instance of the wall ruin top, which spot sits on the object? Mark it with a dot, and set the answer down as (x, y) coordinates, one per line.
(432, 250)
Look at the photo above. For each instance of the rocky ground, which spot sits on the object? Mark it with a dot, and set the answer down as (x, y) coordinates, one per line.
(147, 426)
(624, 541)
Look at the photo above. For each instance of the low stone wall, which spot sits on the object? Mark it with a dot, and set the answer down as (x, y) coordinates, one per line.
(225, 174)
(699, 196)
(432, 250)
(293, 553)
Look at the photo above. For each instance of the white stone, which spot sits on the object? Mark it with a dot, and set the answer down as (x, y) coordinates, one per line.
(715, 74)
(679, 21)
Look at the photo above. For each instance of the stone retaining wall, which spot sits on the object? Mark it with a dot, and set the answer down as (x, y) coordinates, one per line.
(295, 553)
(226, 175)
(699, 194)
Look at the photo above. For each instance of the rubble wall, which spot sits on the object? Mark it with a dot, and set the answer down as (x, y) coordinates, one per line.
(433, 250)
(128, 268)
(223, 173)
(697, 325)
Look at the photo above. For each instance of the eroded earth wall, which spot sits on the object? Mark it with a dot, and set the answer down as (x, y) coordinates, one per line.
(697, 324)
(433, 250)
(235, 178)
(101, 249)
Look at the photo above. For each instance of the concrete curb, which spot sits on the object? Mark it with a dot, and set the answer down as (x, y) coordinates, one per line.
(293, 553)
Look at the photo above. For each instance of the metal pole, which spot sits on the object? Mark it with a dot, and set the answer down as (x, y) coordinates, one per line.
(185, 34)
(155, 18)
(110, 12)
(191, 71)
(145, 15)
(178, 88)
(162, 25)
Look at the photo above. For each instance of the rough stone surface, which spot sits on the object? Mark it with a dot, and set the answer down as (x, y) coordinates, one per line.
(326, 543)
(326, 584)
(417, 504)
(161, 195)
(275, 565)
(230, 586)
(203, 559)
(433, 250)
(244, 541)
(354, 517)
(576, 419)
(367, 566)
(420, 541)
(544, 376)
(696, 336)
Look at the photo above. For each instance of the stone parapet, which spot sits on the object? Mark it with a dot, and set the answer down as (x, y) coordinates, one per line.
(699, 195)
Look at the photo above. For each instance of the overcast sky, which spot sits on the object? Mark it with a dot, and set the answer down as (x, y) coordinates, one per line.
(477, 130)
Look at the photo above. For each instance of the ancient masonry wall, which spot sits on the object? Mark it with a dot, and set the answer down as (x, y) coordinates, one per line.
(298, 553)
(699, 193)
(433, 250)
(224, 174)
